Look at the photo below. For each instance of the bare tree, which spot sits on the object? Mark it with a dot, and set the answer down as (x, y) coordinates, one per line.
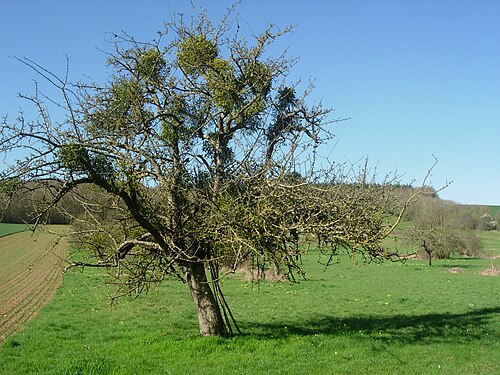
(196, 155)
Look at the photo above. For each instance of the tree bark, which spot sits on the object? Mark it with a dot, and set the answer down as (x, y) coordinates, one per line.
(428, 250)
(209, 312)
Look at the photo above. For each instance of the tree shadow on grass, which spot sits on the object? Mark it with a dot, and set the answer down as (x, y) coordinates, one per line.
(406, 329)
(458, 264)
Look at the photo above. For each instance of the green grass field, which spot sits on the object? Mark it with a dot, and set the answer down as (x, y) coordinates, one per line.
(494, 209)
(389, 318)
(490, 242)
(6, 229)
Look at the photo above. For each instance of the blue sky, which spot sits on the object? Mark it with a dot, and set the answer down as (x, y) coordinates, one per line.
(416, 78)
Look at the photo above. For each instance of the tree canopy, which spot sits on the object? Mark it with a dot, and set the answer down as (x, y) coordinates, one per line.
(196, 155)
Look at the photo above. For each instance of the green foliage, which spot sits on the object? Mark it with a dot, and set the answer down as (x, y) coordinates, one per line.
(151, 65)
(258, 76)
(199, 55)
(175, 126)
(98, 243)
(223, 84)
(252, 110)
(73, 157)
(122, 108)
(103, 167)
(76, 158)
(196, 54)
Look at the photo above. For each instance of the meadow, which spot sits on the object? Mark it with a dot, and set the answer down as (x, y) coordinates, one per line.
(6, 228)
(351, 318)
(490, 242)
(494, 210)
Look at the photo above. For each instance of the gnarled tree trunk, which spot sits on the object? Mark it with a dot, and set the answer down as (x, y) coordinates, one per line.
(209, 311)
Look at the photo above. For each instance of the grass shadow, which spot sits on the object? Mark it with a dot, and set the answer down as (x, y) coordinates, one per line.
(406, 329)
(455, 265)
(462, 262)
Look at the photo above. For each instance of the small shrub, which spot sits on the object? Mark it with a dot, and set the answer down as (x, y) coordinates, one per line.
(472, 244)
(487, 223)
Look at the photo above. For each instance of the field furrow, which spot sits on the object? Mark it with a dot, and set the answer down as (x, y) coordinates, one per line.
(30, 273)
(10, 286)
(34, 299)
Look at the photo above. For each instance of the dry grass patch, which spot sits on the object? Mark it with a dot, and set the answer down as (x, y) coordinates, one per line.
(493, 270)
(456, 270)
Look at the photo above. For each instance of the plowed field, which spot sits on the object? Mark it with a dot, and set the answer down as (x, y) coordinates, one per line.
(30, 273)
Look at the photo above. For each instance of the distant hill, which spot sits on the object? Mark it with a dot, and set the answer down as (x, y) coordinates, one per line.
(493, 209)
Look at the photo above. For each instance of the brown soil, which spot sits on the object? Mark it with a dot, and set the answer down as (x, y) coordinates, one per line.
(30, 274)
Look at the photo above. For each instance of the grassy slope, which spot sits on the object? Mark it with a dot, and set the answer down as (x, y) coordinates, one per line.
(6, 229)
(494, 209)
(490, 242)
(387, 318)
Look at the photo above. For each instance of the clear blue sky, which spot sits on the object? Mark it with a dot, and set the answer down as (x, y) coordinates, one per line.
(417, 78)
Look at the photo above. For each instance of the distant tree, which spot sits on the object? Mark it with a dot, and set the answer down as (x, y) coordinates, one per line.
(195, 155)
(497, 218)
(436, 229)
(487, 222)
